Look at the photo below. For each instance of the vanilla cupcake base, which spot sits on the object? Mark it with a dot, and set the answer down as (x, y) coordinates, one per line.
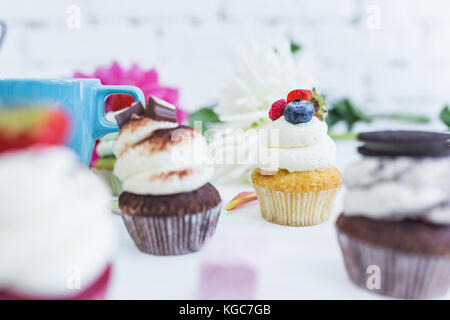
(300, 198)
(296, 209)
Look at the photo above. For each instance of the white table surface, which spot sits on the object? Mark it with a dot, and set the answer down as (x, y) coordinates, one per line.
(292, 263)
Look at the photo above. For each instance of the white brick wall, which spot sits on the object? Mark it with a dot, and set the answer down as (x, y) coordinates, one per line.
(403, 65)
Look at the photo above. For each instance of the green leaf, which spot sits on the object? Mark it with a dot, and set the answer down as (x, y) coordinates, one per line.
(345, 111)
(205, 115)
(295, 47)
(402, 117)
(445, 115)
(105, 163)
(347, 135)
(319, 104)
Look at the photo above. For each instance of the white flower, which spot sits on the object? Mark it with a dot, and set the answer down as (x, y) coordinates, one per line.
(267, 72)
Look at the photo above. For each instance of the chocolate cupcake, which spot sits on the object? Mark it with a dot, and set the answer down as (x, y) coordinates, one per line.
(395, 229)
(168, 206)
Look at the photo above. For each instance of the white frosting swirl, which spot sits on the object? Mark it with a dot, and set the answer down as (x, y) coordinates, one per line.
(54, 216)
(133, 134)
(161, 166)
(398, 188)
(298, 147)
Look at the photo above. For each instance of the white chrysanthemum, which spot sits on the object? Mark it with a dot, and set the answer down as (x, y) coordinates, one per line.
(267, 72)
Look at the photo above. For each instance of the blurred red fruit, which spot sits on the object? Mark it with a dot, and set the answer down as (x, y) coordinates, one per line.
(22, 127)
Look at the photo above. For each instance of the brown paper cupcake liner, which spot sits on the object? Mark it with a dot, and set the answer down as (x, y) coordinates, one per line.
(172, 235)
(402, 274)
(296, 209)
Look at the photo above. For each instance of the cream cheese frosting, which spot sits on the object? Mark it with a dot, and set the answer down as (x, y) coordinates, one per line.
(298, 147)
(54, 220)
(161, 162)
(132, 134)
(399, 188)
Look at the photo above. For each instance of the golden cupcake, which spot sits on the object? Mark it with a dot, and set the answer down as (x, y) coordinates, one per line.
(296, 181)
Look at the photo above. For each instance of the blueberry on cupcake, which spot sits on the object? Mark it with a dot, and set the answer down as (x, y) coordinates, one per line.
(167, 205)
(397, 213)
(296, 181)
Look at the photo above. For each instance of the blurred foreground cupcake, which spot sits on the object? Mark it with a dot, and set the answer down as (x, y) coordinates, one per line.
(56, 236)
(296, 181)
(168, 206)
(396, 220)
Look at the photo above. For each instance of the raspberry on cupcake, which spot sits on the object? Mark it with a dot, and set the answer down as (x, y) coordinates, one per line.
(397, 213)
(299, 185)
(167, 205)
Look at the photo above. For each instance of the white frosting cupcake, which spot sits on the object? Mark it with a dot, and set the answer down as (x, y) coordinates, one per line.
(54, 223)
(399, 188)
(160, 162)
(299, 147)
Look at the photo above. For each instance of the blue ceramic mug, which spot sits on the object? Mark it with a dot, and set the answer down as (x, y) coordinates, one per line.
(82, 99)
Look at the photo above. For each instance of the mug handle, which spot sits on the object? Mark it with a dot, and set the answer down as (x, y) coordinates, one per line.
(3, 33)
(103, 126)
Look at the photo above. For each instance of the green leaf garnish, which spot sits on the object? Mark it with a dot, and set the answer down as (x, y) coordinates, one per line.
(205, 115)
(105, 163)
(444, 115)
(295, 47)
(319, 104)
(345, 111)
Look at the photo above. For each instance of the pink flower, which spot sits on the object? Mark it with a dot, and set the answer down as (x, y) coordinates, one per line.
(146, 80)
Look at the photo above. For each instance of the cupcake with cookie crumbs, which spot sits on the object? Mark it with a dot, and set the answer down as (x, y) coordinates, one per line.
(396, 215)
(168, 206)
(296, 181)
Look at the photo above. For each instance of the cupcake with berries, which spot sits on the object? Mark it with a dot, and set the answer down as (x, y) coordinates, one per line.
(56, 233)
(295, 180)
(167, 205)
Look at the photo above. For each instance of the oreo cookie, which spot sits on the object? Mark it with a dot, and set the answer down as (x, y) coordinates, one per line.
(405, 143)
